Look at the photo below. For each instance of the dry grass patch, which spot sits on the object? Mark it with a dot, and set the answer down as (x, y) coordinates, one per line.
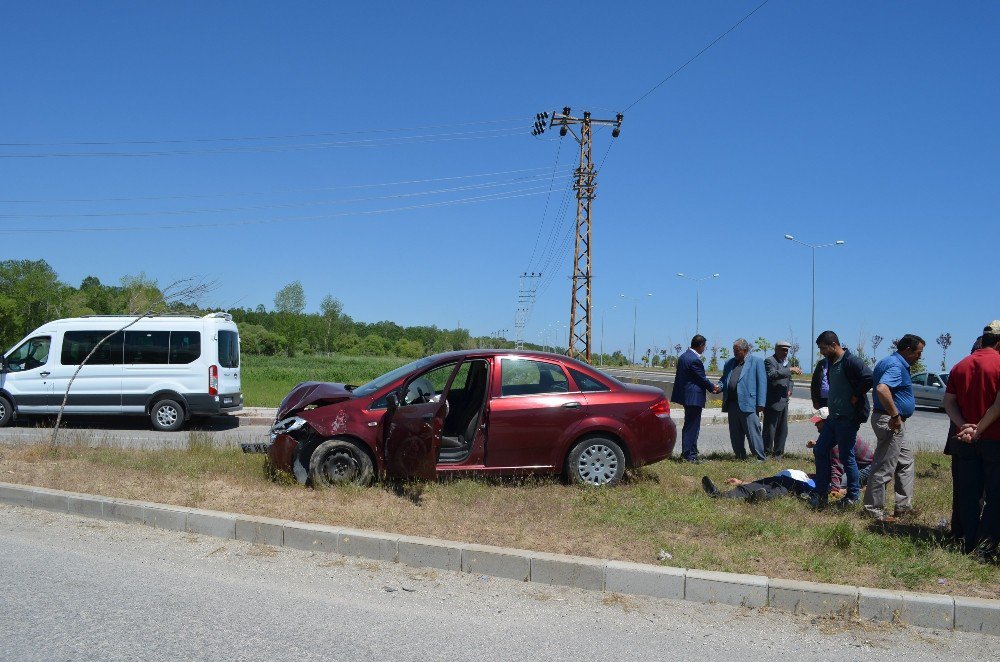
(659, 508)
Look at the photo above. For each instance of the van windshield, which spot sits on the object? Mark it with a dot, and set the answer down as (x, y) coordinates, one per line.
(229, 349)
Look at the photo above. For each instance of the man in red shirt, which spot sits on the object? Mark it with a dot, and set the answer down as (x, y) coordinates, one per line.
(972, 388)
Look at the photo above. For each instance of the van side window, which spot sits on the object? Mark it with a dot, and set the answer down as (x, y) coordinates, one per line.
(146, 347)
(77, 345)
(32, 354)
(185, 346)
(229, 349)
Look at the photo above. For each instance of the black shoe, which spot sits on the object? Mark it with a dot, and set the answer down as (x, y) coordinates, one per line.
(758, 495)
(709, 486)
(818, 501)
(848, 504)
(692, 460)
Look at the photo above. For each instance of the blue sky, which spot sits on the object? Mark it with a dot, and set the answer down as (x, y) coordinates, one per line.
(874, 123)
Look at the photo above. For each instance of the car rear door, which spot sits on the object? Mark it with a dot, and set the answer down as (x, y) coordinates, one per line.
(412, 430)
(531, 413)
(920, 388)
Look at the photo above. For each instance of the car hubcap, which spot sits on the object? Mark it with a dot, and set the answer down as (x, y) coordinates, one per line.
(166, 416)
(340, 467)
(598, 465)
(3, 411)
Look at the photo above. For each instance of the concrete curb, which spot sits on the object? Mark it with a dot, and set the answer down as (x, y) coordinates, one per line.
(921, 609)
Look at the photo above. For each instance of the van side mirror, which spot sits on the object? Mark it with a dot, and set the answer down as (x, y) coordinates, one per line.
(3, 365)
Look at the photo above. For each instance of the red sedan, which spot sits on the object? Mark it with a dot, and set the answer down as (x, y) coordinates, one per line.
(493, 411)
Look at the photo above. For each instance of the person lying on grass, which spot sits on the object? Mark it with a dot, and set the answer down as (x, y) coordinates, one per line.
(789, 481)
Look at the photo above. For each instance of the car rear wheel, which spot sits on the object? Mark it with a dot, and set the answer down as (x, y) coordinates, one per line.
(596, 461)
(6, 411)
(166, 416)
(340, 462)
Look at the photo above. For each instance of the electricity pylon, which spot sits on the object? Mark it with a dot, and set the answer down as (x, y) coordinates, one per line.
(525, 302)
(585, 187)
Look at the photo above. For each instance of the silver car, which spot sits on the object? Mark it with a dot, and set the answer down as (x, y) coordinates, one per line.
(928, 388)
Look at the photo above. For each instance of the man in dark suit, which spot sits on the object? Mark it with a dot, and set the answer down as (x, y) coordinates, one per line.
(689, 391)
(779, 389)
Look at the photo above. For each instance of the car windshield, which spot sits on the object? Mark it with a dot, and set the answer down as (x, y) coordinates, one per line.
(390, 377)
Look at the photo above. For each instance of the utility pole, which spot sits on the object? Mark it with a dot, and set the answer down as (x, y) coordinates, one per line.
(525, 302)
(586, 186)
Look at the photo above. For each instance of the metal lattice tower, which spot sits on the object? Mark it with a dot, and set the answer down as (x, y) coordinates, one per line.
(585, 187)
(525, 302)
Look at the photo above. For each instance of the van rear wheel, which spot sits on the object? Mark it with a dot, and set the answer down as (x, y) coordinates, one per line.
(167, 416)
(6, 411)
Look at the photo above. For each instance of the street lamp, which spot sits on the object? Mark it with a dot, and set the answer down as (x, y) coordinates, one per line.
(697, 296)
(635, 316)
(603, 313)
(839, 242)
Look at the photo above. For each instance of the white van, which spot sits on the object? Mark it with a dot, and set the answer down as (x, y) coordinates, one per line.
(169, 368)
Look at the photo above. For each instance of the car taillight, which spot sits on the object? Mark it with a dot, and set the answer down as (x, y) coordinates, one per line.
(213, 380)
(661, 408)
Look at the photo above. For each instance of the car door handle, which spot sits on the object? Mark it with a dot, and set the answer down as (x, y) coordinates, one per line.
(45, 374)
(571, 405)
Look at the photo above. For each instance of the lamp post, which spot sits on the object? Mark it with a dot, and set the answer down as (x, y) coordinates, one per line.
(635, 317)
(839, 242)
(697, 296)
(603, 313)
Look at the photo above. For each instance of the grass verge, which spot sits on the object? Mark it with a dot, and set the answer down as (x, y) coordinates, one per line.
(268, 379)
(661, 507)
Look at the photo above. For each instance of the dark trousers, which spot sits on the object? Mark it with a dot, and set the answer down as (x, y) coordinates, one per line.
(976, 470)
(843, 433)
(775, 431)
(743, 491)
(690, 432)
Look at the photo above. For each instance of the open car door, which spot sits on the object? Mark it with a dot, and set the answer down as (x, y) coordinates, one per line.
(415, 420)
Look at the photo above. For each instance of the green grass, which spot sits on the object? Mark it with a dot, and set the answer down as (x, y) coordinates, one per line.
(661, 507)
(268, 379)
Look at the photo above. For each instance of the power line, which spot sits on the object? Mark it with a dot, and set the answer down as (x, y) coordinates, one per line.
(278, 191)
(545, 212)
(292, 136)
(507, 195)
(697, 55)
(312, 203)
(369, 143)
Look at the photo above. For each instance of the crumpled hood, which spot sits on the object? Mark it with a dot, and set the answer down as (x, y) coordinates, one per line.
(312, 393)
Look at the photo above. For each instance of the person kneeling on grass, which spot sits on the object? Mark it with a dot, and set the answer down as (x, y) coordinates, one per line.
(789, 481)
(863, 455)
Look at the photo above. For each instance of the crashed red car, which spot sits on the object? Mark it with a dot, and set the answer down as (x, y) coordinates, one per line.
(493, 411)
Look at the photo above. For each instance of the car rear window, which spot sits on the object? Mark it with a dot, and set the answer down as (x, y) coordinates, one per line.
(229, 349)
(586, 383)
(527, 377)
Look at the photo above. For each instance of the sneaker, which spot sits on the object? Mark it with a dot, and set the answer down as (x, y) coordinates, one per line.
(758, 495)
(818, 501)
(692, 460)
(709, 486)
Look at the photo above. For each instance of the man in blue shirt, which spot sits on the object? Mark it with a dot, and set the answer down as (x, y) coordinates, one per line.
(894, 404)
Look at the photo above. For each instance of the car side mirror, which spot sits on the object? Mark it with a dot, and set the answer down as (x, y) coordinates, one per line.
(392, 401)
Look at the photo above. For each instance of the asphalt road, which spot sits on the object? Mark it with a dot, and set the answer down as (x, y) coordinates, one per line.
(87, 589)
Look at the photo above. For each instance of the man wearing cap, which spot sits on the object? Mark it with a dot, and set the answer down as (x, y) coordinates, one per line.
(779, 389)
(893, 404)
(972, 389)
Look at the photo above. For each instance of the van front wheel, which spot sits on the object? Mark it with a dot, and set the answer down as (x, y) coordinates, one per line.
(6, 411)
(167, 416)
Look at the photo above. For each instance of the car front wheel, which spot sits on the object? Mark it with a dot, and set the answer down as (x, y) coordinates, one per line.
(340, 462)
(596, 461)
